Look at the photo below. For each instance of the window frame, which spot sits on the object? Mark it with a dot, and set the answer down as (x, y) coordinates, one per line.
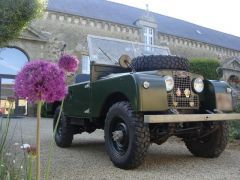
(85, 65)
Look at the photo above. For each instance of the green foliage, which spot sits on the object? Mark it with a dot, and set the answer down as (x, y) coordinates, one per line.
(234, 132)
(15, 16)
(238, 109)
(205, 67)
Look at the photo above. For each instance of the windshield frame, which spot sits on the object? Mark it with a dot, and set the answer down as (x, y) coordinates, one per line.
(91, 49)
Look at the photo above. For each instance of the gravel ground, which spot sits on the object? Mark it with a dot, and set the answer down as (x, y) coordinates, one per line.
(87, 159)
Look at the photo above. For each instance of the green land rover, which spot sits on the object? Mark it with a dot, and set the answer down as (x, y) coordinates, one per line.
(140, 94)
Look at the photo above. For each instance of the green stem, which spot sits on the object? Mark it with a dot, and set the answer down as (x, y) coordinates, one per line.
(38, 164)
(51, 143)
(29, 177)
(5, 133)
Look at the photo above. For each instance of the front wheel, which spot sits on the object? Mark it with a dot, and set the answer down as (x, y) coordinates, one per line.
(126, 136)
(64, 133)
(212, 145)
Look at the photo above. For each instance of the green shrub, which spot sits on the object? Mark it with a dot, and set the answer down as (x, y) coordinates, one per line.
(238, 109)
(205, 67)
(234, 131)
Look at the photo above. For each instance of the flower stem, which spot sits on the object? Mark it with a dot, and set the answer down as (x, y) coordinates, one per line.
(29, 169)
(38, 164)
(51, 143)
(5, 133)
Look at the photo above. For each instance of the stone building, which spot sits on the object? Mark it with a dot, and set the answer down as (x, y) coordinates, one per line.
(71, 21)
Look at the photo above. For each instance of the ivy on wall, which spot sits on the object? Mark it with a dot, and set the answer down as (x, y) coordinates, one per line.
(15, 16)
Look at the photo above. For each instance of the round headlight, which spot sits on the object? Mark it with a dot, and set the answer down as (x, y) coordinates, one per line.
(169, 83)
(198, 85)
(146, 84)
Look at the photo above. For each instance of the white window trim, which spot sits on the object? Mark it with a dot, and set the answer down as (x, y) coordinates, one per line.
(85, 64)
(148, 34)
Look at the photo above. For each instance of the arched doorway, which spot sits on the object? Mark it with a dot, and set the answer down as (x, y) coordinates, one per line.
(12, 59)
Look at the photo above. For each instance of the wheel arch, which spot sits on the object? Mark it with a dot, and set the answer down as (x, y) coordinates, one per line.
(110, 100)
(54, 106)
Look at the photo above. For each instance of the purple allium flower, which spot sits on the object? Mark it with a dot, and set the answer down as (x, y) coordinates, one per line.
(68, 63)
(41, 81)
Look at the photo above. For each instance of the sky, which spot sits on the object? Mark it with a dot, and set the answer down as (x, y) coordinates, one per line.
(221, 15)
(11, 61)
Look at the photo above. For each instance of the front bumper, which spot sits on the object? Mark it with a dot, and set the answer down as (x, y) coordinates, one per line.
(177, 118)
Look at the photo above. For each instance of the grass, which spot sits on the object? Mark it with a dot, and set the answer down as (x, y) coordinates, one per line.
(15, 163)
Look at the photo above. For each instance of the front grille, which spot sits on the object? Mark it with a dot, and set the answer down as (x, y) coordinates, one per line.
(182, 96)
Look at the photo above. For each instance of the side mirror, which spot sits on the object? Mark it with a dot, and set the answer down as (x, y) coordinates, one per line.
(125, 61)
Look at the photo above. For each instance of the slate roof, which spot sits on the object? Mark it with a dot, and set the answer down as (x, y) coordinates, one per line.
(126, 15)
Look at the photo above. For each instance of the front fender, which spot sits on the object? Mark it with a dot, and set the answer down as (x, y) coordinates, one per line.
(215, 96)
(153, 98)
(103, 88)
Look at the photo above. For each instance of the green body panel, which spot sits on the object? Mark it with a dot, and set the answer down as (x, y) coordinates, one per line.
(155, 97)
(77, 102)
(104, 88)
(87, 100)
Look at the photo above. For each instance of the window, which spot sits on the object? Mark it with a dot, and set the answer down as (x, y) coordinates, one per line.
(85, 65)
(148, 35)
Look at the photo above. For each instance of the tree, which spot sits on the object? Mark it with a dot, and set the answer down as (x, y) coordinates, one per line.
(16, 15)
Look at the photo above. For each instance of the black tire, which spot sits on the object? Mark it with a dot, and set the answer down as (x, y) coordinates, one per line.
(64, 133)
(157, 62)
(128, 152)
(212, 145)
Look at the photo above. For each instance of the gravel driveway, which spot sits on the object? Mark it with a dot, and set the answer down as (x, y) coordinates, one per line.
(87, 159)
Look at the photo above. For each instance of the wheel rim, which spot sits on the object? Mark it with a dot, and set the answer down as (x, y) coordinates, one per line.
(119, 136)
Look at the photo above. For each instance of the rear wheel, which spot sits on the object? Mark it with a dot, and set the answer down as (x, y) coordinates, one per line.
(126, 136)
(211, 145)
(64, 133)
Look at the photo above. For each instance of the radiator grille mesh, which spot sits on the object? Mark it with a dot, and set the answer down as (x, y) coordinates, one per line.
(182, 96)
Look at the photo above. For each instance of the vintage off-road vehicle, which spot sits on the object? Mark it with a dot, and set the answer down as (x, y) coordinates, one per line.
(139, 95)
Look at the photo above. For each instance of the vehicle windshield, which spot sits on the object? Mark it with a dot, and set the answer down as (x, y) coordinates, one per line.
(104, 50)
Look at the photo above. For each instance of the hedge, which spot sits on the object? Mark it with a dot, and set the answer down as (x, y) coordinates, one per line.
(206, 67)
(234, 132)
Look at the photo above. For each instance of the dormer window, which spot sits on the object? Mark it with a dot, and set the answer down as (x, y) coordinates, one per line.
(148, 35)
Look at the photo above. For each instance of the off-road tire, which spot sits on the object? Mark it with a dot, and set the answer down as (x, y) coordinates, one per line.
(138, 132)
(158, 62)
(65, 137)
(212, 145)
